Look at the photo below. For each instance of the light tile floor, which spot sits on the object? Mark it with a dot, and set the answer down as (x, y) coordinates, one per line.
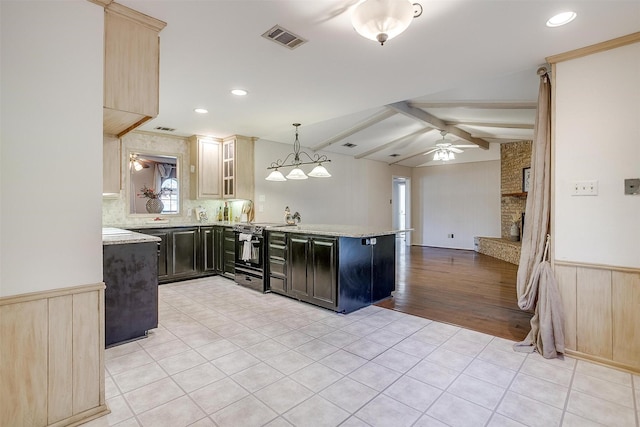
(224, 355)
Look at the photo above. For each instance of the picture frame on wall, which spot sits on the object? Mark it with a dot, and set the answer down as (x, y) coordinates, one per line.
(526, 179)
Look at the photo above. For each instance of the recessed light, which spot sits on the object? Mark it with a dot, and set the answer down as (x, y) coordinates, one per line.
(239, 92)
(201, 111)
(561, 19)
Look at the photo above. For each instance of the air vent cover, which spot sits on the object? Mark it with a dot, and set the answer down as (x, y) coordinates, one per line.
(394, 155)
(284, 37)
(349, 145)
(166, 129)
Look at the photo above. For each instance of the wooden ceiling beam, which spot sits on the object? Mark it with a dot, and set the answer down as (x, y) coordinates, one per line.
(490, 125)
(505, 105)
(394, 142)
(370, 121)
(431, 120)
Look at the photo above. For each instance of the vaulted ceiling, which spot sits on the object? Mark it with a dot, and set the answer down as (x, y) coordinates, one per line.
(465, 66)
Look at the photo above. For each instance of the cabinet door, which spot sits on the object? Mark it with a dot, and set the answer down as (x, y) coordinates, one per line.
(208, 250)
(164, 248)
(229, 262)
(185, 252)
(205, 162)
(219, 249)
(111, 166)
(228, 168)
(322, 271)
(298, 260)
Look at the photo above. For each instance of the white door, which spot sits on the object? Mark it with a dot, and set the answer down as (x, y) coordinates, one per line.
(401, 207)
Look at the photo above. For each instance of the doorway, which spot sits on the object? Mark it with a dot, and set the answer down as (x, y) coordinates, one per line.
(401, 208)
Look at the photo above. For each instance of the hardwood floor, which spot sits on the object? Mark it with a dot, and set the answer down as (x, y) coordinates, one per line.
(459, 287)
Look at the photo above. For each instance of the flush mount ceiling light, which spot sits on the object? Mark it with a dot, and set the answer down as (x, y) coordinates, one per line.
(561, 19)
(318, 171)
(239, 92)
(382, 20)
(201, 110)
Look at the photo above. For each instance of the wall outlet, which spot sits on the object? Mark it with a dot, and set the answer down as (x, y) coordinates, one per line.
(189, 211)
(584, 188)
(632, 186)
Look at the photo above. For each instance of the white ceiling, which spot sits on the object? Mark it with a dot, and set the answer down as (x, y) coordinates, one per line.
(457, 54)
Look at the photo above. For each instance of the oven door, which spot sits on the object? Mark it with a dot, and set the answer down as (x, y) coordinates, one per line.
(249, 251)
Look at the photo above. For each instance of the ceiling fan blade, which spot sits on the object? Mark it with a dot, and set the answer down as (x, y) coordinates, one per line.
(465, 146)
(455, 150)
(430, 151)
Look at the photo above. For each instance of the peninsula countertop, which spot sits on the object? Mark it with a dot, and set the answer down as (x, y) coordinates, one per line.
(119, 236)
(337, 230)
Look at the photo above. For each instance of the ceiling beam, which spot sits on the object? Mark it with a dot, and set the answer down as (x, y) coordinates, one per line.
(505, 105)
(509, 137)
(421, 115)
(411, 156)
(394, 142)
(490, 125)
(370, 121)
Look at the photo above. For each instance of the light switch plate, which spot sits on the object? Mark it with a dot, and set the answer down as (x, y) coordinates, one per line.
(632, 186)
(584, 188)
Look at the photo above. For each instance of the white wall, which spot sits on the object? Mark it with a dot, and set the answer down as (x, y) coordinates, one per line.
(460, 199)
(597, 137)
(51, 145)
(359, 191)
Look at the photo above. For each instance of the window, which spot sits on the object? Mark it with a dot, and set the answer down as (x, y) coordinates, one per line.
(170, 196)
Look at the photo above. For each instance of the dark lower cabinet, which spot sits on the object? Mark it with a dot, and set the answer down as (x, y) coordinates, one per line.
(229, 253)
(184, 263)
(339, 273)
(312, 262)
(189, 252)
(130, 273)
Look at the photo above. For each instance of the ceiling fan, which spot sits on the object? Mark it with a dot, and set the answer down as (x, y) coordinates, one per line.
(444, 150)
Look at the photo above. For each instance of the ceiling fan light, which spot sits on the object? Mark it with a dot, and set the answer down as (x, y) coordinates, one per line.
(297, 173)
(382, 20)
(276, 175)
(320, 172)
(137, 166)
(451, 155)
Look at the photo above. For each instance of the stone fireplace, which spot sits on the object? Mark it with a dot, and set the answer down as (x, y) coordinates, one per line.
(514, 158)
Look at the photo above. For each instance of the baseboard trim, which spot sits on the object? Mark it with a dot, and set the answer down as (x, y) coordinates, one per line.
(83, 417)
(602, 361)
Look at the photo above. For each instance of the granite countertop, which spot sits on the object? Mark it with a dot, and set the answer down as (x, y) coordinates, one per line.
(171, 224)
(337, 230)
(118, 236)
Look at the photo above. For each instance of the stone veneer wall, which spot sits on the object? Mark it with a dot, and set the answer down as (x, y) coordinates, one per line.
(515, 156)
(499, 248)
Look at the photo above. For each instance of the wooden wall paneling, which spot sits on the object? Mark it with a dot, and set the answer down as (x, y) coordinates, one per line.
(86, 345)
(594, 317)
(566, 277)
(23, 363)
(625, 295)
(60, 389)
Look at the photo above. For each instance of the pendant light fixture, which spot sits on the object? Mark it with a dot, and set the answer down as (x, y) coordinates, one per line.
(382, 20)
(319, 171)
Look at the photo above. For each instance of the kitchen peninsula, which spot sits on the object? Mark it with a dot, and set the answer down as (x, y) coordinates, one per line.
(339, 267)
(130, 274)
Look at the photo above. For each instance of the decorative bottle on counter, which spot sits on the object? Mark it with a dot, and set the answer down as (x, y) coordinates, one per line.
(219, 216)
(225, 212)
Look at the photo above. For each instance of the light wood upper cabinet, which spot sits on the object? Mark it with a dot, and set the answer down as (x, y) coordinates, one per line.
(237, 167)
(205, 163)
(131, 68)
(111, 166)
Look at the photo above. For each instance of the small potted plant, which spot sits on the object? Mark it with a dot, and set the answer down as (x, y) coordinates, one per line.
(154, 204)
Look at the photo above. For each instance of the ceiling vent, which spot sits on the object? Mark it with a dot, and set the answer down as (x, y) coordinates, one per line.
(394, 155)
(284, 37)
(164, 129)
(349, 145)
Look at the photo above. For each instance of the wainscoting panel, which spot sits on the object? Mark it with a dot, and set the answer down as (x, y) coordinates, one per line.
(566, 277)
(594, 328)
(52, 357)
(626, 317)
(602, 312)
(60, 358)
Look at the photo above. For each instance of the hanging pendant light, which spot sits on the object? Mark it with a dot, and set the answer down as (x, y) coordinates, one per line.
(276, 175)
(382, 20)
(319, 171)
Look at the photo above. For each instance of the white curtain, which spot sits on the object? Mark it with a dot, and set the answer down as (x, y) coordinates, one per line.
(160, 173)
(536, 285)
